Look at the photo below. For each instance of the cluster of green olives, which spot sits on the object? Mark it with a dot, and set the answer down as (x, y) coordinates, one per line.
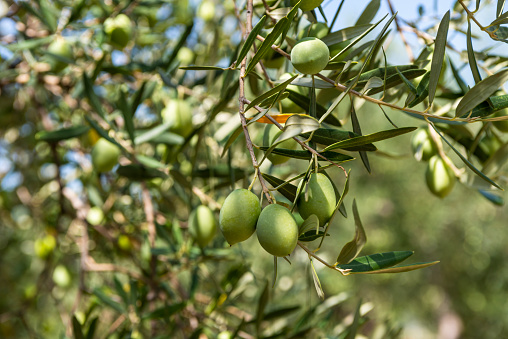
(276, 228)
(439, 175)
(119, 30)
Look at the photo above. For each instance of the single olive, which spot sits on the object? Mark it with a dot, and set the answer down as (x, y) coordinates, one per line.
(238, 215)
(422, 145)
(318, 198)
(104, 155)
(310, 55)
(178, 113)
(61, 50)
(440, 177)
(202, 225)
(277, 230)
(119, 30)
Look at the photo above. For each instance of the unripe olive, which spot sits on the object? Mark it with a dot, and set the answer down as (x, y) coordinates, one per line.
(104, 155)
(310, 55)
(44, 246)
(206, 10)
(178, 113)
(307, 5)
(318, 30)
(61, 276)
(289, 106)
(277, 230)
(60, 48)
(202, 225)
(319, 200)
(271, 133)
(501, 125)
(422, 145)
(238, 215)
(119, 30)
(440, 177)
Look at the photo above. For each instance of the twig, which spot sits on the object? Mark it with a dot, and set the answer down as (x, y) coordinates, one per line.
(312, 254)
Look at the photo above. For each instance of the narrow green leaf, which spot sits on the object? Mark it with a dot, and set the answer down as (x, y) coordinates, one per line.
(127, 115)
(280, 26)
(205, 68)
(306, 155)
(108, 301)
(400, 269)
(353, 248)
(317, 283)
(29, 44)
(369, 12)
(90, 334)
(493, 198)
(438, 56)
(155, 132)
(481, 92)
(470, 55)
(406, 81)
(277, 89)
(179, 44)
(377, 261)
(138, 172)
(102, 132)
(346, 34)
(353, 329)
(499, 9)
(307, 82)
(422, 90)
(92, 97)
(370, 138)
(296, 125)
(61, 134)
(357, 130)
(462, 85)
(311, 223)
(303, 102)
(250, 40)
(232, 138)
(465, 161)
(311, 235)
(329, 136)
(358, 38)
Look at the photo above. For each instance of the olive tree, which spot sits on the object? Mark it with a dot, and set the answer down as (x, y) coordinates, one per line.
(153, 149)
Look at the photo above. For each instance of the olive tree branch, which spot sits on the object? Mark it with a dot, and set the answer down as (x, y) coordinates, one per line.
(241, 104)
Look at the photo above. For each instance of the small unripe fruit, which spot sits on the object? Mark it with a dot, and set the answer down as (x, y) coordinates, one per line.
(202, 225)
(238, 215)
(422, 145)
(119, 30)
(310, 55)
(307, 5)
(178, 114)
(440, 177)
(60, 48)
(277, 230)
(319, 200)
(61, 276)
(271, 134)
(104, 155)
(95, 216)
(206, 10)
(43, 247)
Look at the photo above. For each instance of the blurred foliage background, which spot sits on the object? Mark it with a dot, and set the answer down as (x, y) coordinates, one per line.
(79, 256)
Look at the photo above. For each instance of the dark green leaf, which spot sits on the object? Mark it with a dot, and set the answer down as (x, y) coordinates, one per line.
(306, 155)
(138, 172)
(92, 97)
(303, 102)
(329, 136)
(377, 261)
(369, 12)
(62, 134)
(157, 131)
(250, 40)
(438, 56)
(232, 138)
(346, 34)
(127, 115)
(165, 312)
(108, 301)
(76, 328)
(470, 55)
(492, 197)
(204, 68)
(288, 190)
(277, 89)
(400, 269)
(370, 138)
(311, 235)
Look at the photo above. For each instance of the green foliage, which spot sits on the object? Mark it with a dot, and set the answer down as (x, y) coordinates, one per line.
(128, 127)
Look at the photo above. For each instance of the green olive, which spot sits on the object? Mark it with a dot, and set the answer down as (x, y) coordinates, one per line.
(440, 177)
(61, 50)
(277, 230)
(202, 225)
(310, 55)
(271, 133)
(104, 155)
(238, 215)
(119, 30)
(178, 113)
(422, 145)
(206, 10)
(43, 247)
(318, 198)
(61, 276)
(307, 5)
